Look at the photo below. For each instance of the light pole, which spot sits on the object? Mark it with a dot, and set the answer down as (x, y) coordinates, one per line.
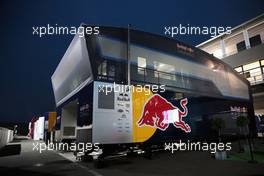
(128, 54)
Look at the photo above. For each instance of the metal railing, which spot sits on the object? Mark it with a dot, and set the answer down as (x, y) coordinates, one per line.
(157, 75)
(142, 72)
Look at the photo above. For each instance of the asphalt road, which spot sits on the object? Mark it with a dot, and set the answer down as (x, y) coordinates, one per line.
(22, 160)
(30, 162)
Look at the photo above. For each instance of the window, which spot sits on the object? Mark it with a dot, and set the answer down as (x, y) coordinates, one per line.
(102, 68)
(111, 70)
(178, 95)
(251, 66)
(164, 71)
(142, 62)
(142, 65)
(253, 71)
(262, 62)
(231, 44)
(247, 74)
(241, 46)
(258, 78)
(68, 131)
(254, 41)
(257, 30)
(106, 101)
(238, 69)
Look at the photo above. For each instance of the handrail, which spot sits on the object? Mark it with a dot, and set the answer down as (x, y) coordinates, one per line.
(256, 81)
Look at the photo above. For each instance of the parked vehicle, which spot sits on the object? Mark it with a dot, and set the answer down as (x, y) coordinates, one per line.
(190, 88)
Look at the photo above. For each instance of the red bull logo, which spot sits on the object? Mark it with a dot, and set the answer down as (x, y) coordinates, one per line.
(159, 113)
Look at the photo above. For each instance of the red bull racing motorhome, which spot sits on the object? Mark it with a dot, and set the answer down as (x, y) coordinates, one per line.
(124, 87)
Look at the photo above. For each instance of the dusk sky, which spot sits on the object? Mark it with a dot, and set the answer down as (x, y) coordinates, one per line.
(28, 61)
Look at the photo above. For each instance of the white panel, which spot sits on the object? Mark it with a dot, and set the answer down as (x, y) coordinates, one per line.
(112, 125)
(69, 119)
(39, 129)
(73, 72)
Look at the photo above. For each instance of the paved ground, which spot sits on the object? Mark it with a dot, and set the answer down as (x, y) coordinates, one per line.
(30, 162)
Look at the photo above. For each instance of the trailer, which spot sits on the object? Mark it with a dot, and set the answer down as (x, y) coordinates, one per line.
(36, 128)
(167, 90)
(43, 127)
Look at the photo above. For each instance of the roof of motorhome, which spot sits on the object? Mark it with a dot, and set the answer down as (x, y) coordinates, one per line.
(167, 43)
(112, 30)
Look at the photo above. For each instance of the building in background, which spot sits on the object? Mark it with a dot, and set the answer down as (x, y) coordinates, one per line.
(243, 49)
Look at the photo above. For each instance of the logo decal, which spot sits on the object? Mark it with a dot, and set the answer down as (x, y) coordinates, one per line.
(159, 113)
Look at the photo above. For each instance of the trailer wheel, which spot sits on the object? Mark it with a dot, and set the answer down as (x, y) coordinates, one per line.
(148, 153)
(87, 158)
(98, 162)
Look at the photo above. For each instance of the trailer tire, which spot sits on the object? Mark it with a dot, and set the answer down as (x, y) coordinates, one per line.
(148, 153)
(87, 158)
(98, 163)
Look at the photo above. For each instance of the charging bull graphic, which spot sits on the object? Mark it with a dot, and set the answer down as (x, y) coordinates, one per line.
(159, 113)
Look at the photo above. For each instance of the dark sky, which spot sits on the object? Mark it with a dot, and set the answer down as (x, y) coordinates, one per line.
(27, 61)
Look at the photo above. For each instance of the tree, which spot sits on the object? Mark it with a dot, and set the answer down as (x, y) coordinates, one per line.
(242, 122)
(218, 124)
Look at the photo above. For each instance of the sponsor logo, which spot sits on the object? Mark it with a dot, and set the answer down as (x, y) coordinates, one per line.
(159, 113)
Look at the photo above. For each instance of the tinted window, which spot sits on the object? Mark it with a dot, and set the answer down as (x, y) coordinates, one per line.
(106, 101)
(254, 41)
(241, 46)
